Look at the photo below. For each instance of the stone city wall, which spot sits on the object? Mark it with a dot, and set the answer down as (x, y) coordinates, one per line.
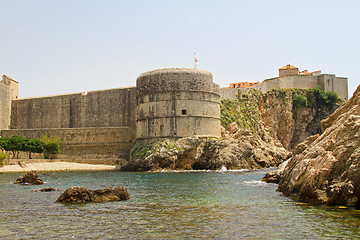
(105, 108)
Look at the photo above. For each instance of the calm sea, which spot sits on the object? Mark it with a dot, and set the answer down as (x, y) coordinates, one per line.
(173, 205)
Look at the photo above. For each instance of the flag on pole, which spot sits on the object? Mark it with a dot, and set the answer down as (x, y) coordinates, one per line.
(196, 61)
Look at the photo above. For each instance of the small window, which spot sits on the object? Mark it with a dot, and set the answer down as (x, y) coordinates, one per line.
(183, 112)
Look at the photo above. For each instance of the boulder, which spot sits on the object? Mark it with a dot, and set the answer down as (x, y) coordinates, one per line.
(326, 167)
(82, 195)
(29, 178)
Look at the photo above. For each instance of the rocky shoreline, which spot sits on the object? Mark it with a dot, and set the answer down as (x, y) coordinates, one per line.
(325, 168)
(238, 149)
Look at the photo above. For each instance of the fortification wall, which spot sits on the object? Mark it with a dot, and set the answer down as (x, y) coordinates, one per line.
(177, 103)
(328, 82)
(85, 143)
(5, 106)
(335, 84)
(105, 108)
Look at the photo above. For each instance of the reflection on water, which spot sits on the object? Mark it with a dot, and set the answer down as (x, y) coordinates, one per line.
(170, 205)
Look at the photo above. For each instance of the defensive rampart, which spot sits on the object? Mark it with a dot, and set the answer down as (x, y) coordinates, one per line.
(106, 108)
(328, 82)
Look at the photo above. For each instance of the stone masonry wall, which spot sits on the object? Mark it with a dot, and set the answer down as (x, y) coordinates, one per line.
(177, 102)
(106, 108)
(5, 106)
(328, 82)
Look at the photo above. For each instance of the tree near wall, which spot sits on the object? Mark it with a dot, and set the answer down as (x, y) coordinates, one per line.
(51, 146)
(34, 146)
(16, 144)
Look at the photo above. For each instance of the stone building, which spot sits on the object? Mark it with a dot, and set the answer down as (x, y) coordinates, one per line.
(290, 77)
(288, 70)
(243, 84)
(100, 126)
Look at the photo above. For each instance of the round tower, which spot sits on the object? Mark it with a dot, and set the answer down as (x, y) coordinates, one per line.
(177, 102)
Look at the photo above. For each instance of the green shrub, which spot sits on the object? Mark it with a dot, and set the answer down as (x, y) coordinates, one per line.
(332, 98)
(299, 101)
(3, 156)
(325, 99)
(51, 146)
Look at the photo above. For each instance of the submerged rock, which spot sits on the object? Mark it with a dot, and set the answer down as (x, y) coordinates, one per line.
(29, 178)
(46, 190)
(81, 195)
(325, 168)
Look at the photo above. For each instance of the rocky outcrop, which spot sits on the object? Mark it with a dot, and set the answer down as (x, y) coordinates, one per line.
(82, 195)
(325, 168)
(239, 149)
(29, 178)
(275, 176)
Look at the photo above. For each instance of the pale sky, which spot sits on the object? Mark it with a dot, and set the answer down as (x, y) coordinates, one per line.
(65, 46)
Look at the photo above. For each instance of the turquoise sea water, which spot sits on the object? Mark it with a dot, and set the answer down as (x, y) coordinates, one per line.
(182, 205)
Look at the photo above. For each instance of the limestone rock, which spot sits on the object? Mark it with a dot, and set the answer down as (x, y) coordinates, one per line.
(275, 176)
(242, 149)
(81, 195)
(326, 169)
(29, 178)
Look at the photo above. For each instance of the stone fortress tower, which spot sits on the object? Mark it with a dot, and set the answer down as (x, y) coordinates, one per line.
(177, 102)
(8, 92)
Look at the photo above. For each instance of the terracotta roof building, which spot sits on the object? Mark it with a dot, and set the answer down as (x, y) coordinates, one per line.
(243, 84)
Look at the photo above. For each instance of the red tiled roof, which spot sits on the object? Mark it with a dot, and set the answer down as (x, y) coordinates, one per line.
(288, 67)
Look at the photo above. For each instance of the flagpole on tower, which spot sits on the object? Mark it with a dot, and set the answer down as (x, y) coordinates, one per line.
(196, 61)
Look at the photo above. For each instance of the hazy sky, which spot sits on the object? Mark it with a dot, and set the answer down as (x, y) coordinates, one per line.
(65, 46)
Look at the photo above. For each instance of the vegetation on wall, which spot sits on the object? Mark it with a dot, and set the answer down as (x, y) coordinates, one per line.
(244, 111)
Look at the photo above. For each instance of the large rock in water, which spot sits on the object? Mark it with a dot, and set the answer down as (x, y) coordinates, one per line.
(81, 195)
(240, 149)
(29, 178)
(326, 168)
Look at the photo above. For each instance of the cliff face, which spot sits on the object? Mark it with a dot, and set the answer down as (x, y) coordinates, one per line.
(325, 168)
(291, 115)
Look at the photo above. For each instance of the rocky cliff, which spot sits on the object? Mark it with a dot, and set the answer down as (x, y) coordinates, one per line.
(239, 149)
(325, 168)
(290, 115)
(257, 127)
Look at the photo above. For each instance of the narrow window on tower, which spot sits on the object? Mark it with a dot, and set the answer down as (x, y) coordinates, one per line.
(183, 112)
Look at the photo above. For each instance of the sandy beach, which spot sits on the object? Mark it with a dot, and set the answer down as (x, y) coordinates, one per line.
(56, 166)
